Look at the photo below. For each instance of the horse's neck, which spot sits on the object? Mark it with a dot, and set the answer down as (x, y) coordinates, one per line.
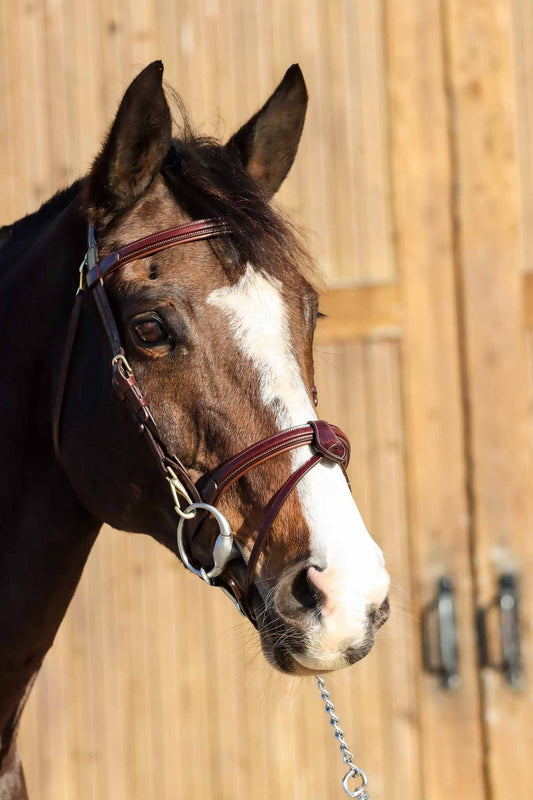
(45, 533)
(42, 555)
(38, 279)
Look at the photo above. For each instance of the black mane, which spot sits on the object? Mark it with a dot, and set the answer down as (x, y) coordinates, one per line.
(208, 180)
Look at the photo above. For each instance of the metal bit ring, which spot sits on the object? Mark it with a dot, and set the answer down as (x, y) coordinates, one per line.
(223, 545)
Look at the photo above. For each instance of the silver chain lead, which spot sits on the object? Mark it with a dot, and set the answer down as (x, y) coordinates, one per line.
(354, 772)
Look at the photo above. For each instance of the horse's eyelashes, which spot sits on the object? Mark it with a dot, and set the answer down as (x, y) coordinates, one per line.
(316, 316)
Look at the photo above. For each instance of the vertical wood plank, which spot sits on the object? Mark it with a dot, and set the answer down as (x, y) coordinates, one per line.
(398, 725)
(487, 201)
(522, 45)
(8, 89)
(361, 388)
(422, 180)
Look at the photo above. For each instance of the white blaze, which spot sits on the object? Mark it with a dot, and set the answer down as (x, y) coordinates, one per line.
(355, 576)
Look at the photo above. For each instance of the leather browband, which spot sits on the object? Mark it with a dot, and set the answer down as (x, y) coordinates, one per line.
(325, 441)
(148, 245)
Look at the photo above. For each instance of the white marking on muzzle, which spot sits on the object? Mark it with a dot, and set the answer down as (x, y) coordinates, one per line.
(355, 579)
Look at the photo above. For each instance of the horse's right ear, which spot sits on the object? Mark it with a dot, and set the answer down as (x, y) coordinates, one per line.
(134, 150)
(266, 145)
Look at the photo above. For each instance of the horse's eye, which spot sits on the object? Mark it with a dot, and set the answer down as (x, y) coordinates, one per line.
(150, 331)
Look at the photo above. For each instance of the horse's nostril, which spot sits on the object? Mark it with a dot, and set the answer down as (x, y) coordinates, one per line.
(304, 591)
(379, 616)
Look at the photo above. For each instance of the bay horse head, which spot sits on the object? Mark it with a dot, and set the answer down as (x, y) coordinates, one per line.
(217, 335)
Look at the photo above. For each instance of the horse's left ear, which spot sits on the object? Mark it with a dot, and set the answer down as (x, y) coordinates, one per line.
(134, 150)
(267, 143)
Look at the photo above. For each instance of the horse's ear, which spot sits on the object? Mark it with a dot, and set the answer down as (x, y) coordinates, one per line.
(134, 150)
(267, 143)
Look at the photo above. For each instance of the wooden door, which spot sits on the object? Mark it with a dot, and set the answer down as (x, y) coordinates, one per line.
(415, 171)
(413, 334)
(490, 85)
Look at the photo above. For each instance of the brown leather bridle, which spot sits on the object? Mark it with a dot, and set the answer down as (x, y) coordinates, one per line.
(326, 441)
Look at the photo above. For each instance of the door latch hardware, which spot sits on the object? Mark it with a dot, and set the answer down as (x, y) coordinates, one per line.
(439, 636)
(507, 602)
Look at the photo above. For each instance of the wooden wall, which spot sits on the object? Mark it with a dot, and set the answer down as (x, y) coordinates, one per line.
(415, 180)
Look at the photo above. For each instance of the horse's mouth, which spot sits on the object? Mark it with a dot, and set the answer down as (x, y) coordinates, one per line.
(290, 650)
(279, 644)
(283, 646)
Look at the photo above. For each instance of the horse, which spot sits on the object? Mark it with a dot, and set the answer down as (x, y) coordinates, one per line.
(169, 379)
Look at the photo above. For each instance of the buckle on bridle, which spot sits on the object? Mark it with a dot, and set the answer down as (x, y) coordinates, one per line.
(123, 360)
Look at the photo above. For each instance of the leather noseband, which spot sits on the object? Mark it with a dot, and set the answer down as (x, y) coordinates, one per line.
(325, 441)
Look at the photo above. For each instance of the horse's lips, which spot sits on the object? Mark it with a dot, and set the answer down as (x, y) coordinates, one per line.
(279, 656)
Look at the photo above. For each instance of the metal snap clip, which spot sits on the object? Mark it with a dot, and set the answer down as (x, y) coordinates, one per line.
(360, 792)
